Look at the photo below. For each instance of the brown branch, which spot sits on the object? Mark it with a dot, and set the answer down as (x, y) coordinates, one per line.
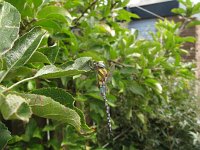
(185, 22)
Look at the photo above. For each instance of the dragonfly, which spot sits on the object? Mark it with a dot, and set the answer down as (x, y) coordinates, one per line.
(102, 76)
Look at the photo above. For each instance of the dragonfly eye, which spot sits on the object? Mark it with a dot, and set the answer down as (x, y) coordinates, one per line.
(100, 64)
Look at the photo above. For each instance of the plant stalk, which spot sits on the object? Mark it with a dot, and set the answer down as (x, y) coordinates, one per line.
(16, 84)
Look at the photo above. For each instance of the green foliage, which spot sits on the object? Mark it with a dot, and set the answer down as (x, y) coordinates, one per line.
(51, 71)
(15, 107)
(23, 62)
(193, 23)
(10, 23)
(65, 99)
(190, 10)
(47, 81)
(46, 107)
(4, 136)
(22, 50)
(125, 15)
(39, 57)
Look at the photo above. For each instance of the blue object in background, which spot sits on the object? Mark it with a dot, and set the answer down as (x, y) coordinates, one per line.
(144, 27)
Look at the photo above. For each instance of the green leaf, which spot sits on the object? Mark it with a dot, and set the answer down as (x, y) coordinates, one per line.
(180, 11)
(190, 39)
(51, 53)
(25, 7)
(39, 57)
(58, 17)
(5, 135)
(92, 54)
(106, 29)
(9, 25)
(53, 22)
(154, 84)
(141, 117)
(15, 139)
(73, 3)
(81, 63)
(135, 88)
(19, 72)
(37, 3)
(23, 49)
(196, 8)
(52, 71)
(124, 3)
(48, 11)
(31, 131)
(125, 15)
(60, 95)
(15, 107)
(65, 99)
(193, 23)
(1, 64)
(107, 9)
(48, 128)
(1, 98)
(46, 107)
(79, 66)
(187, 3)
(49, 25)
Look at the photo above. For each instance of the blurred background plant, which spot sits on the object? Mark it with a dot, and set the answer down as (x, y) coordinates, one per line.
(150, 88)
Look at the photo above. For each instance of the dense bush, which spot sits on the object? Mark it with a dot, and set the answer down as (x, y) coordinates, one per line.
(46, 50)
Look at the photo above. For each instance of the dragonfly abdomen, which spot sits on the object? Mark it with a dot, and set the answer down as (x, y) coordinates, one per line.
(103, 93)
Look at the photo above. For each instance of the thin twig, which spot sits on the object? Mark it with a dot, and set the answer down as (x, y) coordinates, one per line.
(183, 26)
(114, 4)
(115, 138)
(118, 63)
(26, 25)
(48, 132)
(83, 13)
(14, 85)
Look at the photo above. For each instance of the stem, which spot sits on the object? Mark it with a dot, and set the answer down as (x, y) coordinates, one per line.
(14, 85)
(115, 138)
(4, 75)
(119, 64)
(48, 132)
(114, 4)
(186, 20)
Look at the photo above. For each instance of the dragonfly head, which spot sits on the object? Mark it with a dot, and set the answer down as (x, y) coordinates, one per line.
(99, 64)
